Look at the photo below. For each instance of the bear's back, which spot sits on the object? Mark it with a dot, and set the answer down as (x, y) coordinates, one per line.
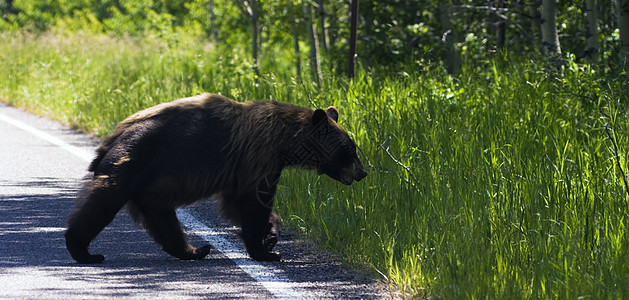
(178, 111)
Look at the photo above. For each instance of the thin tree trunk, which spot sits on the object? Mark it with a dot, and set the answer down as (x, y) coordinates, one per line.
(323, 35)
(333, 29)
(592, 31)
(450, 36)
(251, 9)
(550, 38)
(297, 53)
(623, 26)
(8, 5)
(213, 31)
(295, 32)
(352, 37)
(262, 37)
(500, 28)
(536, 17)
(315, 66)
(254, 44)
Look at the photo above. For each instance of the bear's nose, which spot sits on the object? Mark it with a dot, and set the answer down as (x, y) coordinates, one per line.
(359, 171)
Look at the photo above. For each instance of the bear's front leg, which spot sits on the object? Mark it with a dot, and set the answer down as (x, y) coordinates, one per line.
(253, 236)
(273, 231)
(260, 227)
(255, 221)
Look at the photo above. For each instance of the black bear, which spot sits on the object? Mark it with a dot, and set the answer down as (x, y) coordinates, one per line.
(179, 152)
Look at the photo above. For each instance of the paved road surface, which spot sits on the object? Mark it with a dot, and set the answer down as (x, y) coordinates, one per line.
(38, 181)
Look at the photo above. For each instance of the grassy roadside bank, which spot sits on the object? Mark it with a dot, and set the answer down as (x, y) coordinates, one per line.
(495, 184)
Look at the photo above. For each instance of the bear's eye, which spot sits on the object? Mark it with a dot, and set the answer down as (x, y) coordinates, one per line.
(349, 148)
(352, 145)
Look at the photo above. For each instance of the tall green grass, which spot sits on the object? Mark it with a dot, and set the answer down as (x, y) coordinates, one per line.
(499, 183)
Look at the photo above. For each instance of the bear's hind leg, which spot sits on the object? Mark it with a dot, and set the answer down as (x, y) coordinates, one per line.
(88, 219)
(166, 230)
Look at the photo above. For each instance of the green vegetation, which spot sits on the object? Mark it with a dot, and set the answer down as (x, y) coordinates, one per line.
(500, 179)
(500, 183)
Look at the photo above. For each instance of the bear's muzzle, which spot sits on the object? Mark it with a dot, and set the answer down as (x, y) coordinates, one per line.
(354, 173)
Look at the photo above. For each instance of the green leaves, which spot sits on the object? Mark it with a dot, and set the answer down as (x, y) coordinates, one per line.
(498, 183)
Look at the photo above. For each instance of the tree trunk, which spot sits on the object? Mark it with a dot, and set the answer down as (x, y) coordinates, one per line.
(533, 25)
(591, 50)
(623, 26)
(315, 66)
(449, 37)
(213, 31)
(254, 44)
(550, 38)
(353, 34)
(6, 9)
(501, 28)
(535, 16)
(333, 28)
(323, 35)
(251, 10)
(295, 32)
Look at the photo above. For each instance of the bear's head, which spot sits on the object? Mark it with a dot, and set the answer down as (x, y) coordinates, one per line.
(329, 149)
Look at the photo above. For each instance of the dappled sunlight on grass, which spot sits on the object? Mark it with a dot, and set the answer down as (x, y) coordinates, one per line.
(493, 184)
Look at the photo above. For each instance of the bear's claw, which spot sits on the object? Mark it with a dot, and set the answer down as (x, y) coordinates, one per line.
(269, 256)
(90, 259)
(270, 242)
(202, 252)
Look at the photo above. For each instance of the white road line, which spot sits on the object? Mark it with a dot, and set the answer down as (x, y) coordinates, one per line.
(273, 279)
(49, 138)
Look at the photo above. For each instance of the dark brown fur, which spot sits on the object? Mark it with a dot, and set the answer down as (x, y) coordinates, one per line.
(177, 153)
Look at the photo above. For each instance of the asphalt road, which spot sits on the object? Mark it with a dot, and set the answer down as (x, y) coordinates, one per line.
(41, 166)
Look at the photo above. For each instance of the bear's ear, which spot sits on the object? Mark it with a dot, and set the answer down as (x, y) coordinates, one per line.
(319, 116)
(333, 113)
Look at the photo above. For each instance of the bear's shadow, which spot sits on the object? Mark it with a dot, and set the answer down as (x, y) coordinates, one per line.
(32, 226)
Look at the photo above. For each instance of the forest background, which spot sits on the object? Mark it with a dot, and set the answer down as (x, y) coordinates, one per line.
(495, 132)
